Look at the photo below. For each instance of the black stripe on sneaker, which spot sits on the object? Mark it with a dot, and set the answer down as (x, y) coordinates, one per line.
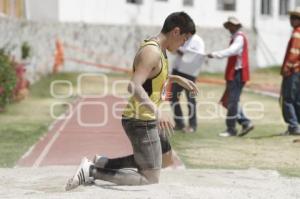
(82, 173)
(80, 177)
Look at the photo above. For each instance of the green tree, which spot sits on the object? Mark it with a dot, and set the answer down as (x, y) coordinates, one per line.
(25, 50)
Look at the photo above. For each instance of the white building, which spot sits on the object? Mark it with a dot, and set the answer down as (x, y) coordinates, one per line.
(267, 18)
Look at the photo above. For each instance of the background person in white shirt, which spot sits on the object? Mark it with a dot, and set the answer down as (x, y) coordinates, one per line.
(187, 63)
(237, 74)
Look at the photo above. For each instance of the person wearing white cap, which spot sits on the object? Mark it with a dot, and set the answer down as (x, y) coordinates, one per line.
(187, 63)
(236, 75)
(290, 71)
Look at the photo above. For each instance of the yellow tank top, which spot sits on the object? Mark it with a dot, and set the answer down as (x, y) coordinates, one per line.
(154, 87)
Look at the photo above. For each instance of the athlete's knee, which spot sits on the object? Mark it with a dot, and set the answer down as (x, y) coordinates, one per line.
(152, 176)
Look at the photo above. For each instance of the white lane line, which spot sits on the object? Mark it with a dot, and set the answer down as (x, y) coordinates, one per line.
(54, 137)
(264, 93)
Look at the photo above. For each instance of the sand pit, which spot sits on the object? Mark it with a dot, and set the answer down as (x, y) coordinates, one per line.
(48, 182)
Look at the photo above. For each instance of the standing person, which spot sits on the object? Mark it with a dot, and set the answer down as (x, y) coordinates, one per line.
(237, 74)
(188, 61)
(142, 119)
(290, 71)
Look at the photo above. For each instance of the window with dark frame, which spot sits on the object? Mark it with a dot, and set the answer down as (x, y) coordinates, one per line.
(284, 7)
(135, 1)
(226, 5)
(188, 2)
(266, 7)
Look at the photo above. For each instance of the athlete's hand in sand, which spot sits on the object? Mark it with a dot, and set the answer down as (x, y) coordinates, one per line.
(165, 124)
(185, 83)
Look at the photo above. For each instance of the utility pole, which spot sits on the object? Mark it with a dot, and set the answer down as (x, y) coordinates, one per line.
(254, 28)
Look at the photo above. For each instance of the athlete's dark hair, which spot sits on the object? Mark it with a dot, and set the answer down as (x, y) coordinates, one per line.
(180, 20)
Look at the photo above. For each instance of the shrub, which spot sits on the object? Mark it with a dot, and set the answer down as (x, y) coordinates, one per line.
(7, 78)
(25, 50)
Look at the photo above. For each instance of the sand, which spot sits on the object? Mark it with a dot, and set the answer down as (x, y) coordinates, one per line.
(48, 182)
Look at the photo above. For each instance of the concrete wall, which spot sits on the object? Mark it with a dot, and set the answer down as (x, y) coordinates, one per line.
(113, 45)
(273, 31)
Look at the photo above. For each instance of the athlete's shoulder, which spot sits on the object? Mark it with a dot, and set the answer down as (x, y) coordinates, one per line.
(148, 56)
(149, 51)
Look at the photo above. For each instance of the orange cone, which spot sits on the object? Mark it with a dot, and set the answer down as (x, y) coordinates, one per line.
(58, 57)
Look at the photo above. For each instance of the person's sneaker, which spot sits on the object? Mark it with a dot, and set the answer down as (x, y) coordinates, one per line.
(294, 132)
(246, 129)
(227, 134)
(285, 133)
(178, 128)
(82, 175)
(189, 130)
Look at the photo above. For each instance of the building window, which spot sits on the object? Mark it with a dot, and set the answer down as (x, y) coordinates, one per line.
(227, 5)
(188, 2)
(284, 7)
(266, 7)
(135, 1)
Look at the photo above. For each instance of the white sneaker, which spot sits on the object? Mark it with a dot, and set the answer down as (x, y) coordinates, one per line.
(82, 175)
(189, 130)
(226, 134)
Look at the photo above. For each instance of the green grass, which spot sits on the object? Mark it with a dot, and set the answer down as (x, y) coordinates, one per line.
(267, 77)
(15, 140)
(263, 148)
(269, 70)
(41, 89)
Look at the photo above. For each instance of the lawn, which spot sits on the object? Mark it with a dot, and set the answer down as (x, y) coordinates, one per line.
(263, 148)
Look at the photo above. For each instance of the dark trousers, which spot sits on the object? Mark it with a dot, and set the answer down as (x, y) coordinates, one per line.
(234, 111)
(290, 92)
(176, 92)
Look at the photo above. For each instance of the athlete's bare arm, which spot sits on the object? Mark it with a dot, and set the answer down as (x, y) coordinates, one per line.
(147, 64)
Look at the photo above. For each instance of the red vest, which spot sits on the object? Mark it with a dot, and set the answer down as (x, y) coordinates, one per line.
(230, 68)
